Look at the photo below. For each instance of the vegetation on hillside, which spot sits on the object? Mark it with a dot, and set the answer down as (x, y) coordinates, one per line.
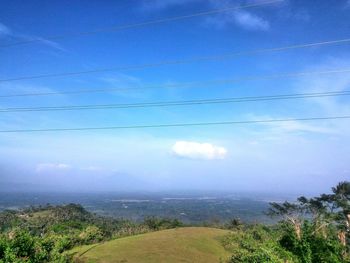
(42, 234)
(315, 230)
(311, 230)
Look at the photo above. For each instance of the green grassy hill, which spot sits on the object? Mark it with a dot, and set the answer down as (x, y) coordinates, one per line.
(192, 244)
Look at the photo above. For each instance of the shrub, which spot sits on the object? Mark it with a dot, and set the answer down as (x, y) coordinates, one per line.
(256, 244)
(91, 234)
(313, 247)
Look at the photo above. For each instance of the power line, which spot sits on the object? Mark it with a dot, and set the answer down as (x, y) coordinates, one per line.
(184, 84)
(177, 125)
(178, 62)
(142, 24)
(180, 103)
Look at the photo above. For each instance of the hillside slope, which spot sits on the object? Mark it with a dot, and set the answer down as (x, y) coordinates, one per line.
(192, 244)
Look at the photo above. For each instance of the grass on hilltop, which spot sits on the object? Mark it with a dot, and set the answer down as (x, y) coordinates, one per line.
(192, 244)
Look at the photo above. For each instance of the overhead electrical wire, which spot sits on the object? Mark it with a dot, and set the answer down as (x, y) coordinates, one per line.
(181, 85)
(173, 62)
(142, 24)
(173, 125)
(178, 62)
(179, 103)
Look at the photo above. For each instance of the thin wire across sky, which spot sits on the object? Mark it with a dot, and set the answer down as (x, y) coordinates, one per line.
(198, 59)
(174, 125)
(181, 61)
(193, 84)
(142, 24)
(181, 102)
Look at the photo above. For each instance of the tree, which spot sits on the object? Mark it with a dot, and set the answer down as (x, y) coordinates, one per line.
(316, 208)
(341, 197)
(291, 212)
(235, 223)
(336, 208)
(317, 229)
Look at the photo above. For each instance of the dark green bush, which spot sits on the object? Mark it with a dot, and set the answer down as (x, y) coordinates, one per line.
(313, 247)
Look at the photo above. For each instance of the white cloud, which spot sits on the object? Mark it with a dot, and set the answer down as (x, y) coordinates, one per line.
(325, 83)
(347, 4)
(45, 42)
(251, 21)
(195, 150)
(276, 129)
(316, 107)
(4, 30)
(242, 18)
(298, 126)
(43, 167)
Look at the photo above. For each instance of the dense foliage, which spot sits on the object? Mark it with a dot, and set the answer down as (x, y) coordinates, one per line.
(42, 234)
(311, 230)
(21, 246)
(315, 230)
(256, 243)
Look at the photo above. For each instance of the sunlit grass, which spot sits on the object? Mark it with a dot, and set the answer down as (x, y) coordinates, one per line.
(192, 244)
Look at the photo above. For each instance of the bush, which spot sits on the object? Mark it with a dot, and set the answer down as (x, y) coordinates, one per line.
(91, 234)
(154, 223)
(3, 246)
(313, 247)
(256, 255)
(256, 244)
(22, 243)
(21, 246)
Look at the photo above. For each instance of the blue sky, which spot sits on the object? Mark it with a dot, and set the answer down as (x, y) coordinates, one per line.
(294, 157)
